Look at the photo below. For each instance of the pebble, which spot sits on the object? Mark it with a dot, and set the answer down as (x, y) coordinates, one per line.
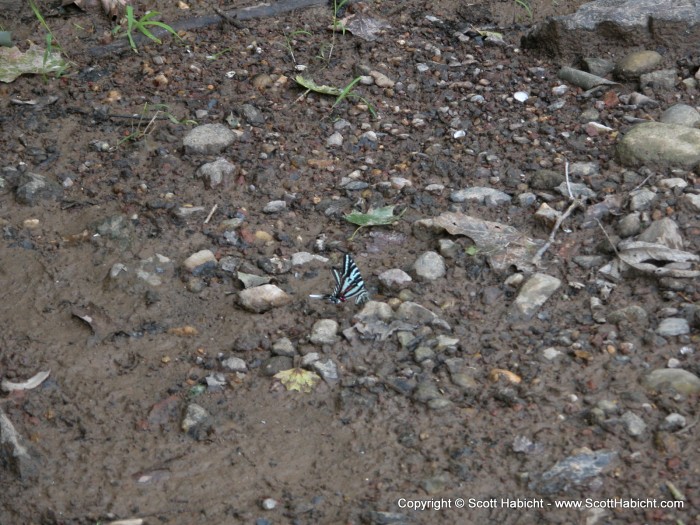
(208, 139)
(252, 115)
(662, 79)
(682, 115)
(216, 173)
(275, 207)
(577, 190)
(630, 225)
(33, 187)
(269, 503)
(395, 279)
(678, 379)
(195, 418)
(634, 424)
(235, 364)
(324, 332)
(429, 266)
(488, 196)
(641, 200)
(636, 63)
(284, 347)
(673, 326)
(572, 470)
(327, 369)
(663, 231)
(335, 140)
(263, 298)
(521, 96)
(692, 200)
(673, 422)
(196, 262)
(674, 182)
(550, 353)
(534, 293)
(277, 363)
(381, 79)
(656, 143)
(633, 313)
(301, 258)
(414, 313)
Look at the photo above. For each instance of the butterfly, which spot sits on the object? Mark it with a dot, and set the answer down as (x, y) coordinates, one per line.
(348, 284)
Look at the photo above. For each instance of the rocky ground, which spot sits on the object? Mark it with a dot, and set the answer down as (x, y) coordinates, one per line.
(532, 335)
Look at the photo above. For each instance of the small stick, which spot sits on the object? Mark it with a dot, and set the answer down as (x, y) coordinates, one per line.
(213, 210)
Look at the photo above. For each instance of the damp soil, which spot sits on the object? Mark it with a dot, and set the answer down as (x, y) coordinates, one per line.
(106, 425)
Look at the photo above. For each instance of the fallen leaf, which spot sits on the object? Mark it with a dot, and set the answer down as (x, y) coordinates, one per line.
(377, 217)
(35, 60)
(298, 379)
(658, 259)
(366, 27)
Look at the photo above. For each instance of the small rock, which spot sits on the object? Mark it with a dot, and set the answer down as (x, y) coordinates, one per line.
(269, 503)
(253, 115)
(634, 424)
(216, 173)
(534, 293)
(327, 369)
(661, 79)
(656, 143)
(488, 196)
(664, 231)
(324, 332)
(577, 190)
(263, 298)
(635, 64)
(682, 115)
(673, 326)
(547, 215)
(284, 347)
(195, 418)
(395, 279)
(634, 314)
(208, 139)
(275, 265)
(550, 353)
(277, 364)
(673, 422)
(641, 200)
(33, 187)
(429, 266)
(381, 79)
(692, 201)
(116, 227)
(301, 258)
(196, 262)
(414, 313)
(630, 225)
(275, 207)
(678, 379)
(235, 364)
(15, 453)
(546, 180)
(335, 140)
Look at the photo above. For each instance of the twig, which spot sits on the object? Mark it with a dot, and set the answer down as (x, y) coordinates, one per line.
(211, 213)
(557, 225)
(607, 237)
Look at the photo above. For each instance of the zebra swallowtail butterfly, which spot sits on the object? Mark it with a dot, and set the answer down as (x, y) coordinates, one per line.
(348, 284)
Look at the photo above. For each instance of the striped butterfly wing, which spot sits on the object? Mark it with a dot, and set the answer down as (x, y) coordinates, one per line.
(350, 284)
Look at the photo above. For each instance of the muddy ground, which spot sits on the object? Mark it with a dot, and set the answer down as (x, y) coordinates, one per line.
(106, 426)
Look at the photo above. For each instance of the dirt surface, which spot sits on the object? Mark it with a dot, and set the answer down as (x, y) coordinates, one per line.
(105, 428)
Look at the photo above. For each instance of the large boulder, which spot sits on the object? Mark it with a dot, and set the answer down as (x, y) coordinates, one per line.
(599, 27)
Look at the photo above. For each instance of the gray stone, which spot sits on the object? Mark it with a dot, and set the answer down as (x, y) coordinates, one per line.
(33, 187)
(603, 24)
(658, 144)
(678, 379)
(632, 314)
(641, 199)
(327, 369)
(692, 200)
(263, 298)
(550, 353)
(664, 231)
(252, 115)
(414, 313)
(275, 207)
(546, 179)
(599, 67)
(216, 173)
(673, 182)
(637, 63)
(488, 196)
(662, 79)
(673, 422)
(634, 424)
(324, 332)
(15, 454)
(335, 140)
(235, 364)
(116, 227)
(577, 190)
(673, 326)
(394, 279)
(534, 293)
(277, 364)
(583, 169)
(429, 266)
(630, 225)
(194, 419)
(201, 258)
(681, 115)
(284, 347)
(208, 139)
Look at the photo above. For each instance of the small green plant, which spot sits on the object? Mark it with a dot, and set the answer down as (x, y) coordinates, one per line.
(337, 25)
(289, 41)
(526, 6)
(52, 44)
(216, 56)
(142, 25)
(161, 111)
(340, 94)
